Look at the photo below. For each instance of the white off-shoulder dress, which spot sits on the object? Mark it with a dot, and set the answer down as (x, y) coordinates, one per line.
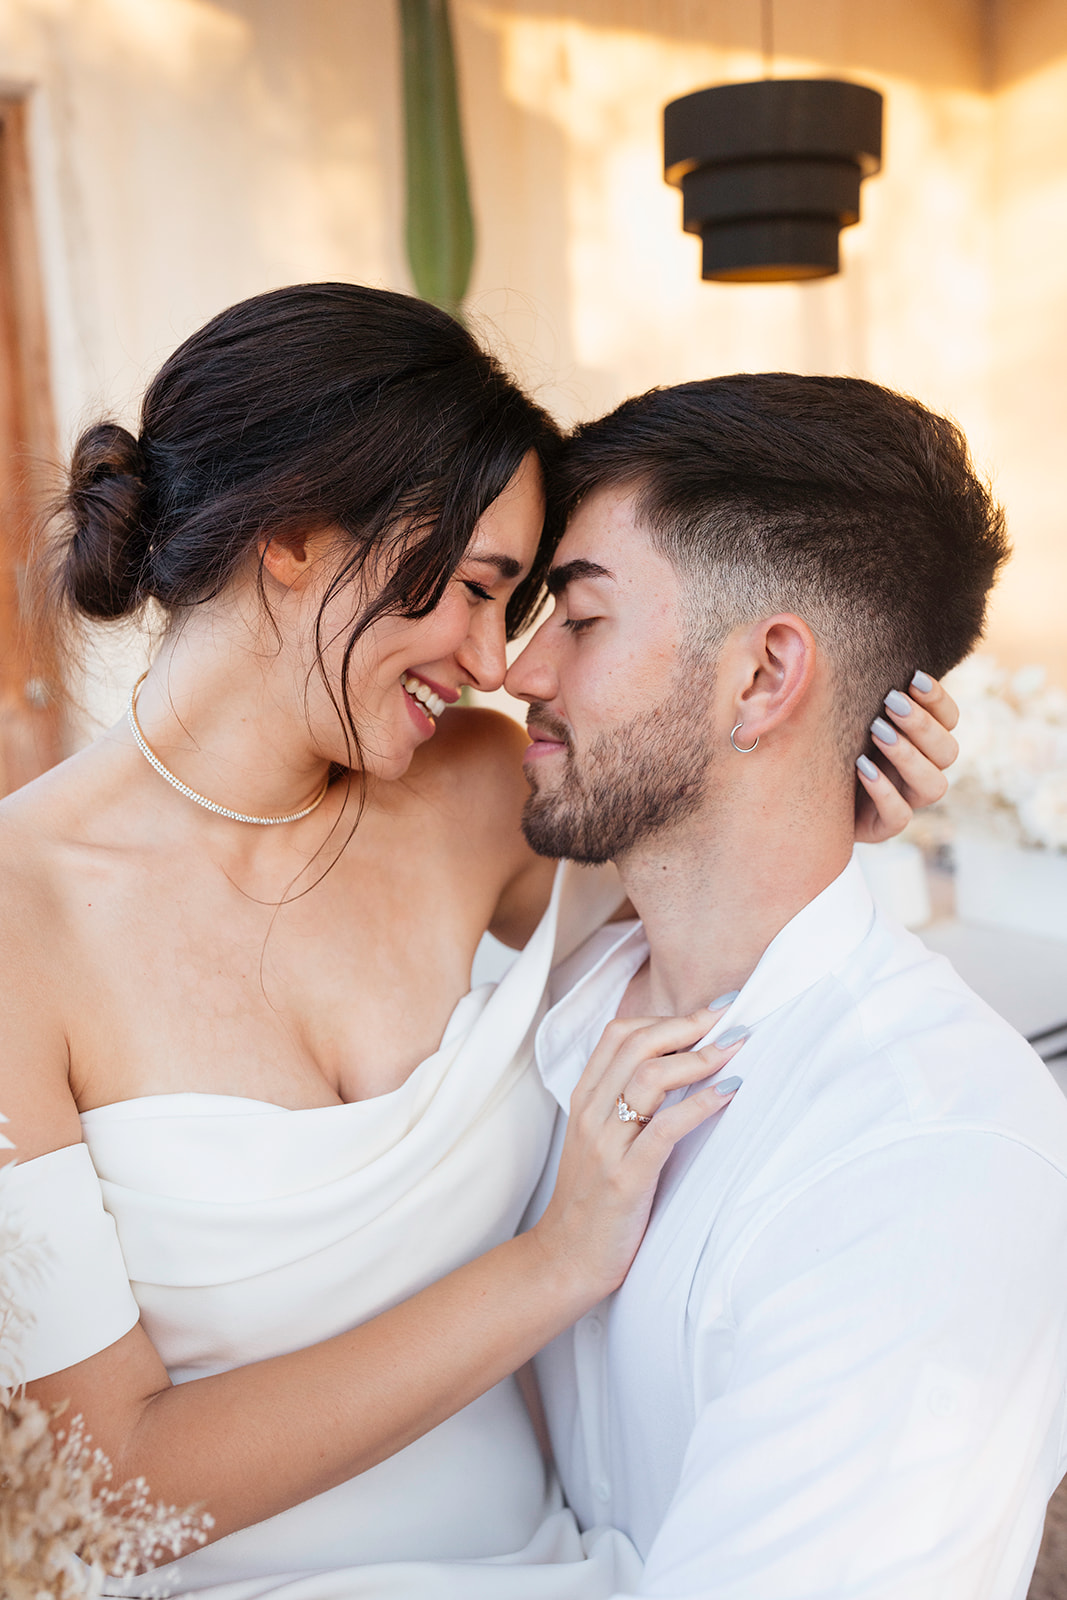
(238, 1230)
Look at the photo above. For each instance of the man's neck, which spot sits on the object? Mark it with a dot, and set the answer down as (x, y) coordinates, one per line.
(714, 892)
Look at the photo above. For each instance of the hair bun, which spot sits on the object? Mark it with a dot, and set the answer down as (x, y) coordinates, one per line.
(104, 564)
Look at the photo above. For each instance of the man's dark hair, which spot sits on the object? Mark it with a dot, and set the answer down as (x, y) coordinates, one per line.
(850, 505)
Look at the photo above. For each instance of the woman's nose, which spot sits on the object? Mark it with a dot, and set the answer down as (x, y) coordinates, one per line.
(483, 654)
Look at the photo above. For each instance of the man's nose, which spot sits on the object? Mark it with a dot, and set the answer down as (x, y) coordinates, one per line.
(532, 675)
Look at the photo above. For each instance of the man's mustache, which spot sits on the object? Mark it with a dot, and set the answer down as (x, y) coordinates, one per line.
(542, 719)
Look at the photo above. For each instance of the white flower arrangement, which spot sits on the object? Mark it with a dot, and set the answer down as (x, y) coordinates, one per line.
(1011, 777)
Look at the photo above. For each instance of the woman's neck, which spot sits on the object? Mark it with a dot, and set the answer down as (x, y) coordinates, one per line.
(222, 707)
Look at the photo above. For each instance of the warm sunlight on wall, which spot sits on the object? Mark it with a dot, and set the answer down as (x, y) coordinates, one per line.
(636, 310)
(943, 293)
(1028, 368)
(189, 152)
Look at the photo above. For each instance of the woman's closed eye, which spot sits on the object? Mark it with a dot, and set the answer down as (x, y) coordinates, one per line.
(578, 624)
(478, 590)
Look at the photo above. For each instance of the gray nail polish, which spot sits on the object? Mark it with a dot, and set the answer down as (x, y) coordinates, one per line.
(923, 682)
(898, 702)
(881, 729)
(868, 768)
(731, 1036)
(726, 999)
(728, 1085)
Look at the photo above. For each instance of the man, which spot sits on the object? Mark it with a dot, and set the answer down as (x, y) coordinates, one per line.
(837, 1367)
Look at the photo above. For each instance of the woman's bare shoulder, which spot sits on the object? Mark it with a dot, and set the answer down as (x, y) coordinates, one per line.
(35, 1093)
(38, 828)
(470, 779)
(475, 760)
(478, 766)
(28, 848)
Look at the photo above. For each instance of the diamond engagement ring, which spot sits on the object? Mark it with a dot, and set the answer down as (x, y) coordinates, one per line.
(628, 1114)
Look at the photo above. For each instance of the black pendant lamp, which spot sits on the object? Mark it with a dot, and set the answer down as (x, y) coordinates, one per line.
(770, 172)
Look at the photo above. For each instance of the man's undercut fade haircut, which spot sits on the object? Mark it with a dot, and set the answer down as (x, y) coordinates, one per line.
(854, 507)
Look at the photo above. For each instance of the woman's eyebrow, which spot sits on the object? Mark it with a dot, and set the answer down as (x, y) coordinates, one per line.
(507, 566)
(571, 571)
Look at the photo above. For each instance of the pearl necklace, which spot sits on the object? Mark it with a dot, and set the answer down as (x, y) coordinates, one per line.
(191, 794)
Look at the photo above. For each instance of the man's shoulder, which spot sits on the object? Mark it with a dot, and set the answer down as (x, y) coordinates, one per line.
(919, 1052)
(886, 1101)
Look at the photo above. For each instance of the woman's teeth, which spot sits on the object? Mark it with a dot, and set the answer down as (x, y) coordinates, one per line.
(423, 694)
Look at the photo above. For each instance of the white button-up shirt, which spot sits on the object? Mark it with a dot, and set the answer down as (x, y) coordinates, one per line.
(837, 1367)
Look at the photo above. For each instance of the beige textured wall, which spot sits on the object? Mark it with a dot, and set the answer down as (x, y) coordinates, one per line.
(593, 235)
(954, 287)
(1028, 359)
(188, 152)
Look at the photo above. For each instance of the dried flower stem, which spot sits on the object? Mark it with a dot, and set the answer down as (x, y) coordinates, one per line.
(63, 1526)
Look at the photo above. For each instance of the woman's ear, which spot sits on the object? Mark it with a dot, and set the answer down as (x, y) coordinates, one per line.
(781, 656)
(289, 556)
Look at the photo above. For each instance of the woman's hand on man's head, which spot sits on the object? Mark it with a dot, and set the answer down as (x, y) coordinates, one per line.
(914, 748)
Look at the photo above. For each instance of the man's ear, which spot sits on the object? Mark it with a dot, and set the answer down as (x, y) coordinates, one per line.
(777, 662)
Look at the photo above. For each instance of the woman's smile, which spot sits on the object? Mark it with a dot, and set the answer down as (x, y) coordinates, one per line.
(433, 697)
(424, 704)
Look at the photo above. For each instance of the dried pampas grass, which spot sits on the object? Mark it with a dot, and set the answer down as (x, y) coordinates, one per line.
(22, 1264)
(64, 1526)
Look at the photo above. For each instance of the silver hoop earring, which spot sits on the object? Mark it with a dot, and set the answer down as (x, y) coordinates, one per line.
(742, 750)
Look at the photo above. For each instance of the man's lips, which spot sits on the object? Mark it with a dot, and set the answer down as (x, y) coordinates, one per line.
(545, 740)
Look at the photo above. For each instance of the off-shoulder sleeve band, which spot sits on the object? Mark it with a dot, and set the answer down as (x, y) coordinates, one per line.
(80, 1299)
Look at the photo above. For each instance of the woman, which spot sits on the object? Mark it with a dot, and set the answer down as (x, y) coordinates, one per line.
(238, 933)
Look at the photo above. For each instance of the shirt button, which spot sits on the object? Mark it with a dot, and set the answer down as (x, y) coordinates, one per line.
(942, 1402)
(602, 1490)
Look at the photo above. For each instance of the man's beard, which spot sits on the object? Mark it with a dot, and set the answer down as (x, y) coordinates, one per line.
(645, 775)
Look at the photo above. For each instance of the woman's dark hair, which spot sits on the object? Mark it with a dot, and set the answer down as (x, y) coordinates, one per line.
(321, 404)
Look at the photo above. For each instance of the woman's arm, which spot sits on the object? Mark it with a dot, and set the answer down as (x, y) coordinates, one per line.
(251, 1442)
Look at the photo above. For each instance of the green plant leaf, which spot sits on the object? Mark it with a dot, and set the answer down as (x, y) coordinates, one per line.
(440, 226)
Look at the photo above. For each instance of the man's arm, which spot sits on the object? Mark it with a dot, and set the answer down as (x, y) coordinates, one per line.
(891, 1426)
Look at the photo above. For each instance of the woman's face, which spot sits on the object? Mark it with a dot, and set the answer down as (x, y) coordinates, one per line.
(405, 671)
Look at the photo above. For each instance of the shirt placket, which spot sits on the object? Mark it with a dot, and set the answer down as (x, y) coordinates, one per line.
(590, 1349)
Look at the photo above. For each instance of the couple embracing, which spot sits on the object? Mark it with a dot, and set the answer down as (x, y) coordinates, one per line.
(774, 1204)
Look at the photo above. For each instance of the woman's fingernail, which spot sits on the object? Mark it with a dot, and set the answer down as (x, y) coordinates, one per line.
(724, 1000)
(728, 1086)
(898, 703)
(881, 730)
(731, 1036)
(923, 682)
(868, 768)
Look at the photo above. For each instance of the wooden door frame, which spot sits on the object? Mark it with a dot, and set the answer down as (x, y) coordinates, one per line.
(30, 734)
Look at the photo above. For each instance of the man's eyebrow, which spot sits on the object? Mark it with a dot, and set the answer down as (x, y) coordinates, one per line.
(571, 571)
(507, 566)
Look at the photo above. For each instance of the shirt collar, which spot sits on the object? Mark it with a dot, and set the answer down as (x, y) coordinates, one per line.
(812, 944)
